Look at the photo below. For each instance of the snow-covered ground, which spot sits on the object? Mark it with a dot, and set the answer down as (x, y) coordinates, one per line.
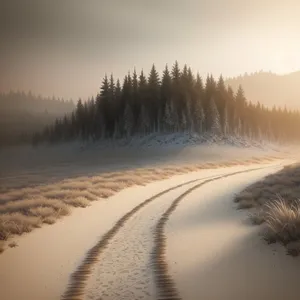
(24, 166)
(214, 253)
(41, 265)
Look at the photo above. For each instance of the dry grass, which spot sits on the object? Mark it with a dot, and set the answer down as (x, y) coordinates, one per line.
(246, 203)
(42, 211)
(277, 204)
(49, 220)
(77, 202)
(283, 221)
(24, 209)
(12, 244)
(25, 205)
(257, 217)
(16, 224)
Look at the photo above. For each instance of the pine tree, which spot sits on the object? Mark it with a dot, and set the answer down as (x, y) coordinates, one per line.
(176, 94)
(176, 74)
(215, 118)
(210, 92)
(166, 97)
(202, 121)
(79, 118)
(142, 95)
(144, 121)
(198, 116)
(126, 97)
(169, 117)
(101, 109)
(135, 98)
(166, 86)
(128, 120)
(153, 97)
(183, 122)
(197, 105)
(225, 122)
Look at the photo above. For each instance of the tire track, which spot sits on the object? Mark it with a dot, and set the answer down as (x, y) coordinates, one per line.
(78, 280)
(75, 289)
(165, 284)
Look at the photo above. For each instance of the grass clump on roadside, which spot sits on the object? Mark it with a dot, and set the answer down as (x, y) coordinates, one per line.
(283, 221)
(13, 244)
(275, 201)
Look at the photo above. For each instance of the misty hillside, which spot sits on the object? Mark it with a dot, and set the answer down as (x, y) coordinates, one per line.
(270, 89)
(22, 102)
(23, 114)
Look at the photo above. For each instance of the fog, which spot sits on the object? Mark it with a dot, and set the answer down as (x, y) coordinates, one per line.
(65, 48)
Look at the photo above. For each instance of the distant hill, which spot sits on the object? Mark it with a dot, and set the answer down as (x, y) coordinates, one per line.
(23, 114)
(270, 89)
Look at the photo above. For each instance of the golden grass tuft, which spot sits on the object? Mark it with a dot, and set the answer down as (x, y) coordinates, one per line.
(283, 220)
(25, 205)
(16, 224)
(103, 192)
(77, 202)
(42, 211)
(276, 202)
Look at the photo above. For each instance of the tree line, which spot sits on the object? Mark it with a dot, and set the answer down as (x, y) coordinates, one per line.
(29, 102)
(178, 101)
(22, 114)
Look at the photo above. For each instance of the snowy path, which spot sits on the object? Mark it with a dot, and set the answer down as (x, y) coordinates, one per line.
(126, 267)
(125, 270)
(213, 253)
(51, 254)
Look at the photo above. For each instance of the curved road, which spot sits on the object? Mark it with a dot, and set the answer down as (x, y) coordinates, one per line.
(144, 256)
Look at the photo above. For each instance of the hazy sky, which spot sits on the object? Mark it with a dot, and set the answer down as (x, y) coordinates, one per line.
(64, 47)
